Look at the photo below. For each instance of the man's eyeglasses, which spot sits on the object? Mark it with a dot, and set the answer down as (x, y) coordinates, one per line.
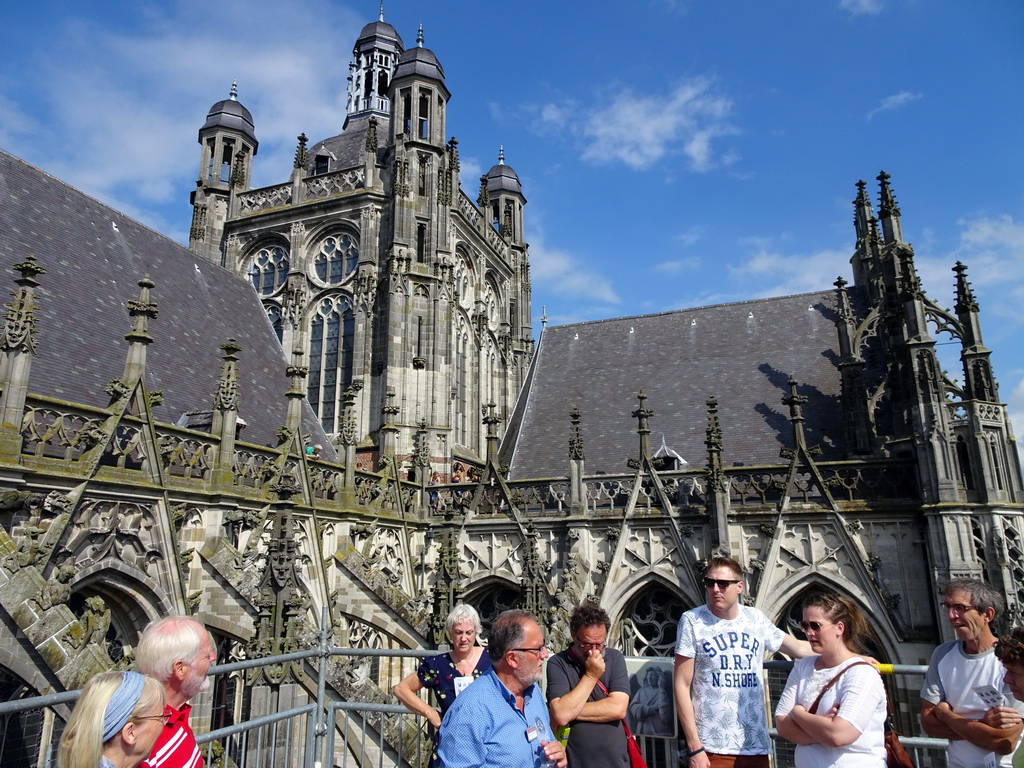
(958, 609)
(538, 650)
(165, 717)
(722, 584)
(589, 646)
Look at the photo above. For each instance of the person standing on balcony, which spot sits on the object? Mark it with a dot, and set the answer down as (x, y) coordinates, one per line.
(501, 720)
(177, 651)
(720, 650)
(1010, 652)
(588, 692)
(833, 707)
(446, 674)
(964, 698)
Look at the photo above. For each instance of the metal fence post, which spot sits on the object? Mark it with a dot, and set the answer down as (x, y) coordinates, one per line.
(317, 758)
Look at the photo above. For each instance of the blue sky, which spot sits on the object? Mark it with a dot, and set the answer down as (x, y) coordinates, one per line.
(674, 153)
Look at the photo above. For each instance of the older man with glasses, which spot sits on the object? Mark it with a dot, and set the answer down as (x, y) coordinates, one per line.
(720, 650)
(964, 698)
(588, 692)
(501, 720)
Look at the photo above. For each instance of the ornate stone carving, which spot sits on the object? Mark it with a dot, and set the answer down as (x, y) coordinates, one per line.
(117, 529)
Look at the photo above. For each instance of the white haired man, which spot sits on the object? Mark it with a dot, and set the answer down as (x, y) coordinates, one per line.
(501, 720)
(964, 697)
(177, 651)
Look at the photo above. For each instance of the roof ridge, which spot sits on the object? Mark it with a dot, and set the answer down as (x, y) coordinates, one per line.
(747, 302)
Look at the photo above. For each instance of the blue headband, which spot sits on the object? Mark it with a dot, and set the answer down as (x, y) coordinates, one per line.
(122, 703)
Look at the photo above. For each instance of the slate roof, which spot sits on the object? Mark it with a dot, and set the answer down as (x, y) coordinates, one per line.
(230, 114)
(94, 258)
(501, 178)
(349, 147)
(742, 353)
(419, 61)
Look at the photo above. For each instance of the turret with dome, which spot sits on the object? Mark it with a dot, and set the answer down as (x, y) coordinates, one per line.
(408, 302)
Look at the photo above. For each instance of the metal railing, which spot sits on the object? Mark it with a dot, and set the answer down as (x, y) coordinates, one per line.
(307, 723)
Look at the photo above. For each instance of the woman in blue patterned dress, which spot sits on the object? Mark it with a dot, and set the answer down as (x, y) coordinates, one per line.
(446, 674)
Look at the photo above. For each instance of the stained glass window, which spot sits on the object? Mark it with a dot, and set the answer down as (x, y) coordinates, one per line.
(269, 269)
(336, 259)
(332, 332)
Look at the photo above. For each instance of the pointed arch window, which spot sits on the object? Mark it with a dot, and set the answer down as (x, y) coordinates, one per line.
(997, 469)
(424, 116)
(648, 626)
(336, 259)
(461, 393)
(269, 269)
(274, 314)
(331, 345)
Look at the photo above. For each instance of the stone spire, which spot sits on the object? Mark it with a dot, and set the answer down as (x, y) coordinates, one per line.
(889, 211)
(483, 200)
(577, 489)
(225, 414)
(491, 421)
(18, 346)
(979, 381)
(296, 393)
(642, 415)
(141, 310)
(301, 154)
(856, 419)
(718, 488)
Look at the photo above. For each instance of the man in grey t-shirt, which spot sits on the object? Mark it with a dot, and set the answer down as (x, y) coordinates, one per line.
(961, 691)
(588, 690)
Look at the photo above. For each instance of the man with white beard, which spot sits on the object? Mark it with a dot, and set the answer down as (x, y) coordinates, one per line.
(501, 719)
(177, 651)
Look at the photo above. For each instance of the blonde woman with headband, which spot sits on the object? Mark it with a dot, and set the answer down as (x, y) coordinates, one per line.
(114, 724)
(834, 704)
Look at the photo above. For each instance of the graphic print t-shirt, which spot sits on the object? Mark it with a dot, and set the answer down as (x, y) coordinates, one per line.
(728, 698)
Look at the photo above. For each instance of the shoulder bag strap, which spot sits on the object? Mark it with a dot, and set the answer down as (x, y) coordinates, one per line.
(625, 727)
(814, 707)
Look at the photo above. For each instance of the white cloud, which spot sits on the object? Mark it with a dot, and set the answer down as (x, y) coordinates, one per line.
(640, 130)
(1015, 402)
(990, 235)
(133, 103)
(992, 248)
(771, 272)
(561, 273)
(861, 7)
(686, 239)
(678, 266)
(896, 101)
(470, 171)
(690, 236)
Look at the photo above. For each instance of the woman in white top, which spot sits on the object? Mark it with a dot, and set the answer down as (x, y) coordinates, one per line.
(845, 727)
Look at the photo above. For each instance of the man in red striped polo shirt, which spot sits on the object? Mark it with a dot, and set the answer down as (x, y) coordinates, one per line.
(177, 651)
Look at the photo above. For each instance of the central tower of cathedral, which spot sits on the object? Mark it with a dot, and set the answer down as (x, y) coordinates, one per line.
(405, 302)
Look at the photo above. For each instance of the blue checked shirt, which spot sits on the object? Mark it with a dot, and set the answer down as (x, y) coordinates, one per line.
(485, 729)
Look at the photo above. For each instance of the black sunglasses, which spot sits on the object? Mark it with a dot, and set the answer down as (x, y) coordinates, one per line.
(815, 625)
(722, 584)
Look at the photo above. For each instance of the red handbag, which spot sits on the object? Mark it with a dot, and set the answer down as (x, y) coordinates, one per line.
(636, 757)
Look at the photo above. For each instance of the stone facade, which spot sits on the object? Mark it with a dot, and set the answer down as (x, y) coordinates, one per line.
(167, 472)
